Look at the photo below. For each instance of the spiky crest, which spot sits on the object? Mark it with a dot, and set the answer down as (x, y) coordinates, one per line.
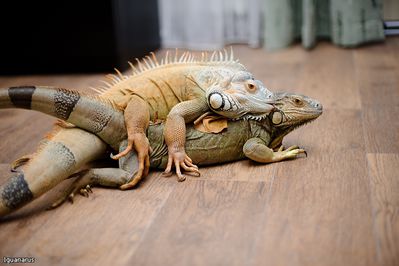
(151, 62)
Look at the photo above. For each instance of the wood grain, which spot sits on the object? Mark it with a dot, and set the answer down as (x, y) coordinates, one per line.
(377, 75)
(108, 225)
(206, 223)
(384, 185)
(338, 206)
(381, 127)
(328, 75)
(319, 213)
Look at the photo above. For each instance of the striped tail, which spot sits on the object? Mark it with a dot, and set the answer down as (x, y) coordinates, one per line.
(88, 112)
(61, 155)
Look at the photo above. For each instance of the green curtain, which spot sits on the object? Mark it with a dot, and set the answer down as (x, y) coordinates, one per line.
(345, 22)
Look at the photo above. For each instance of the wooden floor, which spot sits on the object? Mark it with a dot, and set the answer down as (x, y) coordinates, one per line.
(338, 206)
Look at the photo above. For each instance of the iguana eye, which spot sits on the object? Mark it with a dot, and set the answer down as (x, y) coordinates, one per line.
(298, 101)
(251, 86)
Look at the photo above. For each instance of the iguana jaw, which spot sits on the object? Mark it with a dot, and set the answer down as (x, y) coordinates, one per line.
(294, 110)
(240, 96)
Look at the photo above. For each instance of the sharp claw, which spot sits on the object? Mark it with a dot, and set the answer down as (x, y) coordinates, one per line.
(306, 154)
(84, 192)
(195, 174)
(70, 197)
(166, 174)
(181, 178)
(124, 187)
(132, 183)
(88, 188)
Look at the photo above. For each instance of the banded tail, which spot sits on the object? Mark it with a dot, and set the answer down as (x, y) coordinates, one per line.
(58, 157)
(87, 112)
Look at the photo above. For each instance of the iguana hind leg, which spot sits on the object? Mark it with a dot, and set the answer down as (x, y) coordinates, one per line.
(107, 177)
(124, 177)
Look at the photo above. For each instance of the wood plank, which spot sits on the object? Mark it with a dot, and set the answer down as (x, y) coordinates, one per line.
(244, 170)
(278, 70)
(320, 210)
(79, 82)
(334, 130)
(319, 213)
(206, 223)
(20, 132)
(104, 229)
(316, 200)
(377, 76)
(381, 127)
(328, 76)
(384, 185)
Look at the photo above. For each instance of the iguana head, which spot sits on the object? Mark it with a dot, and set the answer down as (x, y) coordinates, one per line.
(239, 95)
(293, 111)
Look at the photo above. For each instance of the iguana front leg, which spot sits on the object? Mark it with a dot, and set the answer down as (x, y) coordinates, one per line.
(137, 118)
(175, 135)
(256, 150)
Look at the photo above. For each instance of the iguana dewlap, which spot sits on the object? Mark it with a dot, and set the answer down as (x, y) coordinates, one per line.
(179, 90)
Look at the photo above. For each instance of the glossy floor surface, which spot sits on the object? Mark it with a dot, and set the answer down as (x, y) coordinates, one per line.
(338, 206)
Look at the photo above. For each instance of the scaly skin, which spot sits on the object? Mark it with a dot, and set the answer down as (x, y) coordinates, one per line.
(179, 91)
(64, 152)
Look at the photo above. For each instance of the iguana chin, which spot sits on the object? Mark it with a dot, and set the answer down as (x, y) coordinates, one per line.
(66, 150)
(176, 90)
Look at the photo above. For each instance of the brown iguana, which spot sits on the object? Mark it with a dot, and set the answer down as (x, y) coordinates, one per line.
(180, 90)
(67, 149)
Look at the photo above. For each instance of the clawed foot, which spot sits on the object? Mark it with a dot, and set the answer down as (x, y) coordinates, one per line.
(289, 153)
(180, 160)
(80, 185)
(85, 191)
(141, 144)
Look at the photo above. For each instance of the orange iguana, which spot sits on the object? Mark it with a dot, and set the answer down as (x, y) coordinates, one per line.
(180, 90)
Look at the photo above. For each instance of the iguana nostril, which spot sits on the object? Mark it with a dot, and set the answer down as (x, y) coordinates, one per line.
(216, 101)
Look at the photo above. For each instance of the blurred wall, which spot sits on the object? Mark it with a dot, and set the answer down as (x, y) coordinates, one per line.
(391, 9)
(75, 36)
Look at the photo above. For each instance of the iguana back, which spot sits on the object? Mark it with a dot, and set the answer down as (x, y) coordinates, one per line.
(174, 80)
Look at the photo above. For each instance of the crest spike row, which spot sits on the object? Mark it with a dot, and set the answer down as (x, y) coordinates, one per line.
(119, 73)
(176, 52)
(154, 58)
(134, 69)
